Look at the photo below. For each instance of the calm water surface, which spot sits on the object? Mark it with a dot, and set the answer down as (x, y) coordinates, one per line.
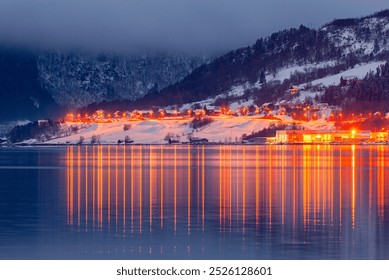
(194, 202)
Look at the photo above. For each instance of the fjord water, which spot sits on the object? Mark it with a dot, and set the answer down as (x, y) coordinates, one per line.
(195, 202)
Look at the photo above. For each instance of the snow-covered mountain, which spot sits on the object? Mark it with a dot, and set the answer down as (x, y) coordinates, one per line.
(365, 36)
(300, 56)
(78, 79)
(313, 60)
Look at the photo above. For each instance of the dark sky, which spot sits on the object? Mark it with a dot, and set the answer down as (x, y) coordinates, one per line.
(200, 26)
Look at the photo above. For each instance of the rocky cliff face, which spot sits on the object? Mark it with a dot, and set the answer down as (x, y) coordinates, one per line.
(78, 79)
(21, 94)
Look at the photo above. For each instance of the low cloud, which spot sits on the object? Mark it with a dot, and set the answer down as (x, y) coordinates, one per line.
(199, 26)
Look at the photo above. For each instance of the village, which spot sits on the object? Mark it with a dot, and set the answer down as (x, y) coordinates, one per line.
(298, 123)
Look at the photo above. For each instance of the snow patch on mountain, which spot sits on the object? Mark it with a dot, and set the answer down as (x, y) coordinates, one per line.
(285, 72)
(358, 72)
(362, 37)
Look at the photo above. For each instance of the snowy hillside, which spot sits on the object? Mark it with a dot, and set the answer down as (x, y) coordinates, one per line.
(303, 57)
(222, 130)
(365, 36)
(307, 91)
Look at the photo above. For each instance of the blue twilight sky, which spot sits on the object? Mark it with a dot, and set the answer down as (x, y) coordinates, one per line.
(199, 26)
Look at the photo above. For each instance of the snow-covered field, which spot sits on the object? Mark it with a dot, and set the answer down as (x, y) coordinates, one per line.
(222, 130)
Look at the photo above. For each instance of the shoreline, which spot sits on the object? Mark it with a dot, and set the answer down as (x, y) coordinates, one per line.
(189, 144)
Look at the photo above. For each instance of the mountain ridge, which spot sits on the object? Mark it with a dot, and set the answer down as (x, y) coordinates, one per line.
(346, 41)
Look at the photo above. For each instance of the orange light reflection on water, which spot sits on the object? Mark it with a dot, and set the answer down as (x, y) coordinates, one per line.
(264, 186)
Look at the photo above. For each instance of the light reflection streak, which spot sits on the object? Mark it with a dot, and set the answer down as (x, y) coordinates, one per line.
(124, 190)
(316, 192)
(353, 186)
(175, 189)
(202, 188)
(78, 186)
(340, 187)
(370, 182)
(241, 186)
(93, 185)
(305, 185)
(189, 187)
(256, 186)
(381, 182)
(220, 186)
(270, 186)
(100, 190)
(109, 183)
(244, 176)
(140, 189)
(198, 182)
(151, 186)
(86, 187)
(161, 179)
(294, 186)
(283, 185)
(132, 189)
(116, 187)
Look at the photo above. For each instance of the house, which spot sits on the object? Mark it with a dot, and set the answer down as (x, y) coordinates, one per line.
(100, 114)
(161, 113)
(196, 140)
(318, 136)
(69, 117)
(267, 107)
(293, 90)
(243, 110)
(139, 114)
(129, 115)
(289, 136)
(171, 113)
(43, 122)
(379, 137)
(199, 112)
(214, 110)
(117, 115)
(186, 111)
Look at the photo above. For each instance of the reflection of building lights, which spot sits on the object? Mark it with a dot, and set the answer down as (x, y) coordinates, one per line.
(318, 199)
(353, 133)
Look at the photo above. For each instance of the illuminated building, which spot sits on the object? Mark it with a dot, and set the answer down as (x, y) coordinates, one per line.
(381, 136)
(317, 136)
(293, 90)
